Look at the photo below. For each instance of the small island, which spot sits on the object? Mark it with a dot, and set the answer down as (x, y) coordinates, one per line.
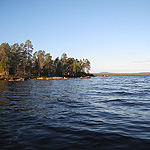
(18, 63)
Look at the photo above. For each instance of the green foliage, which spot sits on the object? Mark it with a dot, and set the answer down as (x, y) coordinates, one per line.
(18, 60)
(5, 58)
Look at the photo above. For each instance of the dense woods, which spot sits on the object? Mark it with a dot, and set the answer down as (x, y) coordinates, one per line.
(19, 60)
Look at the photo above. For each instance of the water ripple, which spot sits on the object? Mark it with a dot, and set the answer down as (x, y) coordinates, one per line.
(97, 113)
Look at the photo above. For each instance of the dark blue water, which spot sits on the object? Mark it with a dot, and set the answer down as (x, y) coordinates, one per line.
(99, 113)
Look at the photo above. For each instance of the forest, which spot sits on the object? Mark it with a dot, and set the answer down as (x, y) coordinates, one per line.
(19, 60)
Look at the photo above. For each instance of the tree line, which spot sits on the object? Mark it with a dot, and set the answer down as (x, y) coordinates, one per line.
(18, 60)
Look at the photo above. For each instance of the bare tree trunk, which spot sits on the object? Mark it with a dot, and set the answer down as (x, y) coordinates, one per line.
(24, 70)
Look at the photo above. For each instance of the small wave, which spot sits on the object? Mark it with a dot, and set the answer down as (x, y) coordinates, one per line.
(114, 100)
(106, 115)
(98, 92)
(123, 93)
(46, 137)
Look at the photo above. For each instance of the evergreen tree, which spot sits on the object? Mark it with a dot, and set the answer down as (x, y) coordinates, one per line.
(18, 60)
(64, 63)
(5, 58)
(28, 49)
(48, 64)
(23, 59)
(15, 59)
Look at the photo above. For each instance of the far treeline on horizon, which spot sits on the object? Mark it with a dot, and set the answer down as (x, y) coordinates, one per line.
(18, 60)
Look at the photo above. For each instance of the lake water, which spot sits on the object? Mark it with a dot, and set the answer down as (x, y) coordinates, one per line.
(110, 113)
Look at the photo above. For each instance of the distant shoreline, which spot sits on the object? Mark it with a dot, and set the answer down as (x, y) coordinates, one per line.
(120, 74)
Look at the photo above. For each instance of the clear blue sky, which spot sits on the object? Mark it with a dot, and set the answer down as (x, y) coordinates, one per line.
(113, 34)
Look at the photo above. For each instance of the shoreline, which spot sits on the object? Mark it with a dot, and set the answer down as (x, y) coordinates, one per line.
(23, 78)
(121, 74)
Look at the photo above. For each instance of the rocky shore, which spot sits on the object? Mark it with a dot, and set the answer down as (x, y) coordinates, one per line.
(11, 79)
